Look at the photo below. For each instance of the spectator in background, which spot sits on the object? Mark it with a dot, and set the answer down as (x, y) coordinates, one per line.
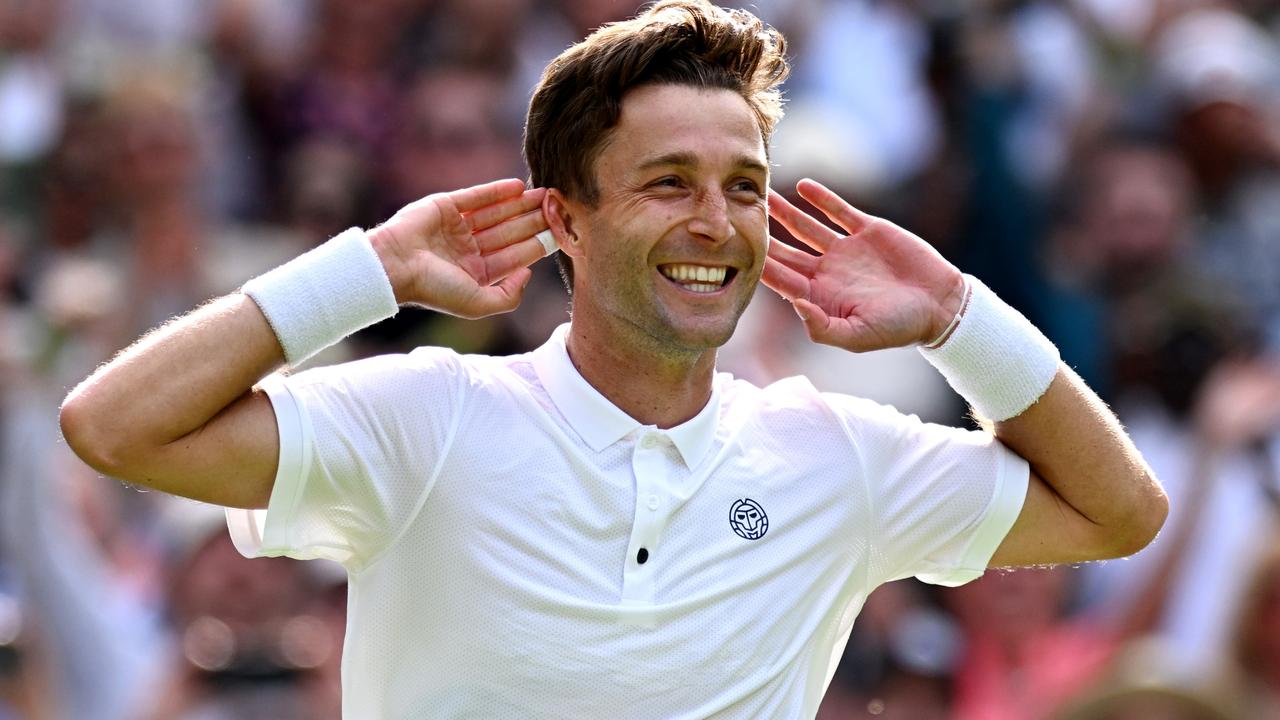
(1025, 654)
(439, 145)
(859, 111)
(344, 86)
(1126, 224)
(152, 175)
(83, 574)
(899, 661)
(1138, 687)
(24, 694)
(31, 105)
(1221, 76)
(250, 640)
(327, 188)
(496, 35)
(1255, 646)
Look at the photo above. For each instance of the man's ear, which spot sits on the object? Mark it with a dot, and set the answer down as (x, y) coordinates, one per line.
(560, 212)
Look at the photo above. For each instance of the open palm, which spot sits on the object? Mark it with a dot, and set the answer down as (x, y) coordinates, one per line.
(465, 252)
(877, 287)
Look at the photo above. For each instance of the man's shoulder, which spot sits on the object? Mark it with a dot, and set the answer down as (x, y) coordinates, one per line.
(427, 381)
(789, 400)
(429, 365)
(797, 399)
(481, 372)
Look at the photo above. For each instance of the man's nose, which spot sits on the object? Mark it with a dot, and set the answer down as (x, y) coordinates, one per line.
(711, 216)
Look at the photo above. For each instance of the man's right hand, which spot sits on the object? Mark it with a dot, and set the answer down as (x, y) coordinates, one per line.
(177, 411)
(464, 252)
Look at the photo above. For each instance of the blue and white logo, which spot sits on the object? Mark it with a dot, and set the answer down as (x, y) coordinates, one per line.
(747, 518)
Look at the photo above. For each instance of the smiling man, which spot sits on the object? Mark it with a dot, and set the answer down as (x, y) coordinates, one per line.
(607, 526)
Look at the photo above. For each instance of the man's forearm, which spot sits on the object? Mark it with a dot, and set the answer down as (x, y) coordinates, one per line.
(169, 384)
(1077, 446)
(176, 410)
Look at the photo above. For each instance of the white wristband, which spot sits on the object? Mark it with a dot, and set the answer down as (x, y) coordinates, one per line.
(324, 295)
(995, 358)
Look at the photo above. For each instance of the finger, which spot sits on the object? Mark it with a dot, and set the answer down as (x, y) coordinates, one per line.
(487, 217)
(511, 232)
(849, 333)
(797, 260)
(833, 206)
(478, 196)
(823, 328)
(800, 224)
(511, 258)
(783, 280)
(814, 318)
(505, 296)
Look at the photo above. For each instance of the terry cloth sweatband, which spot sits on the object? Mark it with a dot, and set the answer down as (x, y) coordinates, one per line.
(995, 358)
(324, 295)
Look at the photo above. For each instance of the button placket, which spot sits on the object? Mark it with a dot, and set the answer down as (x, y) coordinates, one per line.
(649, 466)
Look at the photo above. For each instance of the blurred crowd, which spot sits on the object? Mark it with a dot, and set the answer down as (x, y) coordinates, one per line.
(1110, 168)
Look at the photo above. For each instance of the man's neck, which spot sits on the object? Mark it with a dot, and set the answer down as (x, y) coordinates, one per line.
(658, 389)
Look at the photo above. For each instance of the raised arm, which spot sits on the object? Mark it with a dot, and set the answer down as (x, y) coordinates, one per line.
(1091, 495)
(177, 410)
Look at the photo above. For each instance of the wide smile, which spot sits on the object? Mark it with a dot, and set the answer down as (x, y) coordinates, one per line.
(700, 279)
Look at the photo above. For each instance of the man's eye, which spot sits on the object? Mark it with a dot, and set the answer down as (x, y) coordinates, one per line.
(667, 182)
(746, 186)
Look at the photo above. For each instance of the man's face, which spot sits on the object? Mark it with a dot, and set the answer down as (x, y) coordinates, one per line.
(673, 250)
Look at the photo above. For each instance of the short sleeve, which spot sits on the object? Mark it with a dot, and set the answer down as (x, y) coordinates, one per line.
(942, 499)
(360, 445)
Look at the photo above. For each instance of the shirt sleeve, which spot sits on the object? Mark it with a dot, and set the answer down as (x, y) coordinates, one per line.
(942, 499)
(360, 446)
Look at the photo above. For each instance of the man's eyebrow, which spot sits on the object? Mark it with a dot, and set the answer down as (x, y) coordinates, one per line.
(688, 159)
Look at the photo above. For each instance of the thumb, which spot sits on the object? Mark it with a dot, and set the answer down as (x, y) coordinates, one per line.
(850, 334)
(814, 318)
(504, 296)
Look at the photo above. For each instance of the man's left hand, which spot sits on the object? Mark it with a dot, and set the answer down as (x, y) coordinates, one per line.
(877, 287)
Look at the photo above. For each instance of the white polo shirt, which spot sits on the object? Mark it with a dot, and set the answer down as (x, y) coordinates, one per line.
(518, 547)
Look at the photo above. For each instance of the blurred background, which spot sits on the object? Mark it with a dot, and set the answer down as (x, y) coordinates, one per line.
(1110, 168)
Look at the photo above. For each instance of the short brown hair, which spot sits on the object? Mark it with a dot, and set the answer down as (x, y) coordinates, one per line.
(682, 42)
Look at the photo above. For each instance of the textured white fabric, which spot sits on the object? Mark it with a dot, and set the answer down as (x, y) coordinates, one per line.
(995, 359)
(324, 295)
(491, 513)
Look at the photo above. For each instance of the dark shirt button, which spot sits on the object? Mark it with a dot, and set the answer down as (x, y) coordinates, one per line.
(642, 556)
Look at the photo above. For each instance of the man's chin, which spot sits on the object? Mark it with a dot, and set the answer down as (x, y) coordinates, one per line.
(705, 335)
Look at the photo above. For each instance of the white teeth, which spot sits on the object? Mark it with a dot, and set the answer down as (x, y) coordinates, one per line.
(695, 277)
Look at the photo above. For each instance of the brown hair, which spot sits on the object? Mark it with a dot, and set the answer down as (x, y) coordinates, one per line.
(684, 42)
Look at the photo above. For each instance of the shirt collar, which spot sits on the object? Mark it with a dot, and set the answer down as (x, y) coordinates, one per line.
(599, 422)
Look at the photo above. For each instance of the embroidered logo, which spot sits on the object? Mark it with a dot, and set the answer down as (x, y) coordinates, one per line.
(747, 518)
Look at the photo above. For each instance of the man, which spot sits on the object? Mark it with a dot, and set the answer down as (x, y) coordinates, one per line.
(605, 526)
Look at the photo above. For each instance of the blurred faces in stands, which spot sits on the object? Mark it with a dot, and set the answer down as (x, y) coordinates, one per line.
(255, 639)
(1136, 204)
(450, 133)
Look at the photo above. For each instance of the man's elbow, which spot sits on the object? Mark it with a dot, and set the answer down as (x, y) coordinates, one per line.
(89, 436)
(1151, 508)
